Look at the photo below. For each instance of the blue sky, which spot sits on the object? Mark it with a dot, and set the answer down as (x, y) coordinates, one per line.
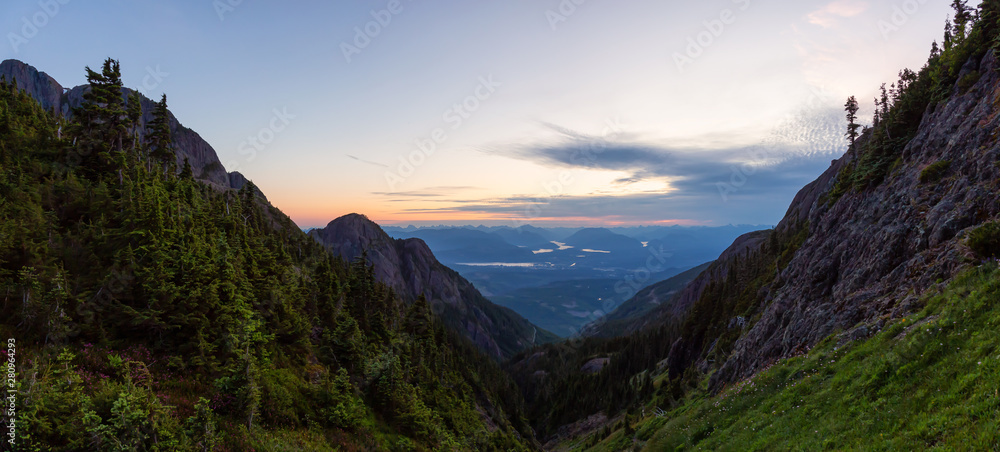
(572, 112)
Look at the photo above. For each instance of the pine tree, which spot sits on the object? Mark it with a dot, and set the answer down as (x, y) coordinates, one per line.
(963, 16)
(100, 121)
(158, 136)
(851, 107)
(134, 118)
(948, 35)
(989, 20)
(186, 172)
(877, 118)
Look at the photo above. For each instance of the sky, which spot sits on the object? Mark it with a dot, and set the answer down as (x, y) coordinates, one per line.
(549, 112)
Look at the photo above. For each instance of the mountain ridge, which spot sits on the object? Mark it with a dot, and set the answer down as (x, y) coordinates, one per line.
(410, 268)
(189, 144)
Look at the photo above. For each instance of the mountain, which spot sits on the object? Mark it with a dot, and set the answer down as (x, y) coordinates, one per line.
(859, 322)
(603, 240)
(857, 247)
(189, 145)
(526, 236)
(462, 245)
(874, 246)
(411, 270)
(164, 303)
(160, 312)
(633, 314)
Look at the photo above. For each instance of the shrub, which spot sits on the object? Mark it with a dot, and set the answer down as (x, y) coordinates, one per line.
(968, 81)
(985, 240)
(935, 171)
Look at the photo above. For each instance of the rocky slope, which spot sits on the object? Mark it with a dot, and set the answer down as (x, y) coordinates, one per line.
(53, 97)
(411, 270)
(871, 252)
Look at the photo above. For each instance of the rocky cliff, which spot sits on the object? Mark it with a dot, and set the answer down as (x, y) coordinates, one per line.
(411, 270)
(871, 253)
(861, 255)
(53, 97)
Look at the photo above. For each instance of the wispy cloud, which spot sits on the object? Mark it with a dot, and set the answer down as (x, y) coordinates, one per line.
(381, 165)
(796, 157)
(428, 192)
(829, 15)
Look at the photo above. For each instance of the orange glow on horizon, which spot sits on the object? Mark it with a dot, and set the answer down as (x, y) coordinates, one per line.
(311, 218)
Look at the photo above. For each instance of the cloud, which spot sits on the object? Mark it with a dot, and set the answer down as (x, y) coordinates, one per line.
(812, 132)
(428, 192)
(738, 184)
(760, 197)
(367, 161)
(828, 15)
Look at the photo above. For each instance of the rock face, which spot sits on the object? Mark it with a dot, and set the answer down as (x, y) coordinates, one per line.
(870, 254)
(39, 85)
(410, 269)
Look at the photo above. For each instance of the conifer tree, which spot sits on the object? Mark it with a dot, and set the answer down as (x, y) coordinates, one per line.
(963, 16)
(851, 107)
(158, 136)
(99, 123)
(877, 117)
(134, 118)
(989, 20)
(186, 172)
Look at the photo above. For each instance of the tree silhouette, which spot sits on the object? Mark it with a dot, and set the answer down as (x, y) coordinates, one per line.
(158, 137)
(963, 15)
(851, 107)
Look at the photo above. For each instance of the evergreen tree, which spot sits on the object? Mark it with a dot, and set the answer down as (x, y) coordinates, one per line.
(989, 20)
(877, 117)
(100, 121)
(948, 34)
(186, 172)
(134, 118)
(851, 107)
(963, 16)
(158, 136)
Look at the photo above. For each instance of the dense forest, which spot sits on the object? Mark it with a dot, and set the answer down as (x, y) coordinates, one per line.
(152, 311)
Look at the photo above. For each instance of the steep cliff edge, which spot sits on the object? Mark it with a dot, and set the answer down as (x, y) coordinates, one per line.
(411, 270)
(871, 253)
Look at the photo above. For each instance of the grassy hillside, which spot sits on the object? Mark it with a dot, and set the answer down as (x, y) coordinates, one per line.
(152, 312)
(929, 381)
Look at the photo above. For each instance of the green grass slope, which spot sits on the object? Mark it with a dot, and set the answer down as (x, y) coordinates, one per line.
(930, 381)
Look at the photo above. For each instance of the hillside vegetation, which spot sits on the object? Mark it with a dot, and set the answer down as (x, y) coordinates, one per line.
(926, 381)
(154, 312)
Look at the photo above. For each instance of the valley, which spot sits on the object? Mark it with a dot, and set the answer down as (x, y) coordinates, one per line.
(565, 278)
(159, 301)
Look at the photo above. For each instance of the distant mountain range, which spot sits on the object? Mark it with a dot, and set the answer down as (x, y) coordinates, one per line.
(564, 278)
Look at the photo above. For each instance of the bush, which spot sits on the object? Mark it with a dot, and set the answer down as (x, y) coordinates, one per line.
(968, 81)
(985, 240)
(935, 171)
